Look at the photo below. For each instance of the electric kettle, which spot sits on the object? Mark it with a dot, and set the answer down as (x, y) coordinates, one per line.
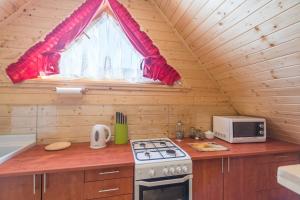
(98, 136)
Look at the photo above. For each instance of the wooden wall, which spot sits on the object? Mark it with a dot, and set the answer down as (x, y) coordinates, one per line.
(252, 49)
(34, 107)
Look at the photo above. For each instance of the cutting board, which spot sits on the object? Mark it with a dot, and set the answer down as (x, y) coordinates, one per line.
(208, 146)
(57, 146)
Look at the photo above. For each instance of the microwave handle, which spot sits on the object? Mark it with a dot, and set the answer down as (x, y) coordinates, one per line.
(164, 182)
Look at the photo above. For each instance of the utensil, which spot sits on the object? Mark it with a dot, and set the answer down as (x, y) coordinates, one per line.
(98, 136)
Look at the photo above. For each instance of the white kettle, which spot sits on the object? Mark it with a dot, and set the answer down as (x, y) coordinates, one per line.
(98, 136)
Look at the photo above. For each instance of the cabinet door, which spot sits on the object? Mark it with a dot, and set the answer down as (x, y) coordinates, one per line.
(20, 187)
(63, 186)
(208, 180)
(241, 178)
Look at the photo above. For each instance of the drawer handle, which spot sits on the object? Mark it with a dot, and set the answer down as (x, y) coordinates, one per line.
(109, 190)
(112, 172)
(282, 156)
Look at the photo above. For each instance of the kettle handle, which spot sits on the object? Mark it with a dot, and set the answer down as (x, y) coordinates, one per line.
(109, 133)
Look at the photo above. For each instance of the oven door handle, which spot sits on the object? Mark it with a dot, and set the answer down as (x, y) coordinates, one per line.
(165, 182)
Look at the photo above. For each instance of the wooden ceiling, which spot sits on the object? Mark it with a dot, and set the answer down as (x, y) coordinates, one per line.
(252, 49)
(9, 7)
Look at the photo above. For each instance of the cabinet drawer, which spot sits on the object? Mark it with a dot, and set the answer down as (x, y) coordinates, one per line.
(121, 197)
(108, 188)
(108, 173)
(285, 157)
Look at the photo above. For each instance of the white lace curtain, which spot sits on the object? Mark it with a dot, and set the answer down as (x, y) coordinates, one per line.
(102, 53)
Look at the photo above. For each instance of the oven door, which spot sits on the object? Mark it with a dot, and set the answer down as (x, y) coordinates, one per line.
(179, 188)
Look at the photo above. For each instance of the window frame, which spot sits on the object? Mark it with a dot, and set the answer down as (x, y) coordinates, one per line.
(106, 85)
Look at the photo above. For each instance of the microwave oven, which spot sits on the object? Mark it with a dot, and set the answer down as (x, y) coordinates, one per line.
(239, 129)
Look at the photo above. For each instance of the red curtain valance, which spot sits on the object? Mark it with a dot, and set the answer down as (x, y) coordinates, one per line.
(43, 58)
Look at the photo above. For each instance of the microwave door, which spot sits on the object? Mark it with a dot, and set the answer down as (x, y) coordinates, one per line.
(175, 189)
(247, 129)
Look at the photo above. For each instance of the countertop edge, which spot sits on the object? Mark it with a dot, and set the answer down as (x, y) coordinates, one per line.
(67, 169)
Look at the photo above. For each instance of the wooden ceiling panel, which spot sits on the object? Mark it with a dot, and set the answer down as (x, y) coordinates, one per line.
(252, 49)
(9, 7)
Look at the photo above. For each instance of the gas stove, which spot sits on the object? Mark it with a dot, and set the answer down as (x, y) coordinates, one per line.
(156, 150)
(161, 164)
(156, 158)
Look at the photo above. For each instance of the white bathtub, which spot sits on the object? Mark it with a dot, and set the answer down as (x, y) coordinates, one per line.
(11, 145)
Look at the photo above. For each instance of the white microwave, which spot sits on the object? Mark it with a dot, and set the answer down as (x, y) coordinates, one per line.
(239, 129)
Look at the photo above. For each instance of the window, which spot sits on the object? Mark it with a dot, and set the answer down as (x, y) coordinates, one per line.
(103, 52)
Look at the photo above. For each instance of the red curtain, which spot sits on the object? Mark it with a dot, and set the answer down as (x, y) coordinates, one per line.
(155, 65)
(43, 58)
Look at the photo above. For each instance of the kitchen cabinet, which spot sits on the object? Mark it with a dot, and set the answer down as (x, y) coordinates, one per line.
(208, 180)
(63, 186)
(20, 187)
(109, 183)
(53, 186)
(246, 178)
(101, 184)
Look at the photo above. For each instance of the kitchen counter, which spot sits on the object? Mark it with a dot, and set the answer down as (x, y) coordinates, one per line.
(236, 150)
(78, 157)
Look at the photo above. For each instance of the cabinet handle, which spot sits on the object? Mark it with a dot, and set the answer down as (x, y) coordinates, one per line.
(112, 172)
(222, 165)
(282, 156)
(109, 190)
(45, 183)
(228, 165)
(34, 184)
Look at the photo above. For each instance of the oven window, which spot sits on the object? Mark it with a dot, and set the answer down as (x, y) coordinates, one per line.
(246, 129)
(178, 191)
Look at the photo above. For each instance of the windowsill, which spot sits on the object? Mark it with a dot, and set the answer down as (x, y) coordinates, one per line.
(104, 85)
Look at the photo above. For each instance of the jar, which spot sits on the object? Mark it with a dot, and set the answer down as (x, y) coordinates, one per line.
(192, 132)
(179, 130)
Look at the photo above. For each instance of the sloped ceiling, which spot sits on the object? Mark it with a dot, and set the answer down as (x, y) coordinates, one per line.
(252, 49)
(9, 7)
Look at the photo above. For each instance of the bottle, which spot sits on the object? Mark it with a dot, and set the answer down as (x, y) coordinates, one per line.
(179, 131)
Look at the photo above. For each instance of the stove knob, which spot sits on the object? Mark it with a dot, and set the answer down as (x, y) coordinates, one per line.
(151, 172)
(184, 169)
(172, 170)
(165, 171)
(178, 170)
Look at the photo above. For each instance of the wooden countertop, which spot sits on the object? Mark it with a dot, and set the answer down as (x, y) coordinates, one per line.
(78, 157)
(236, 150)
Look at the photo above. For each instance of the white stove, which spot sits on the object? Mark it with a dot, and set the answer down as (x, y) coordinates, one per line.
(161, 164)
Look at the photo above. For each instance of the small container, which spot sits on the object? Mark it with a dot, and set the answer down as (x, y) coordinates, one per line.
(199, 135)
(179, 131)
(209, 135)
(192, 132)
(121, 133)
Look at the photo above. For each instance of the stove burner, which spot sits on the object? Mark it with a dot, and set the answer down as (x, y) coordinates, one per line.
(171, 152)
(162, 143)
(143, 145)
(147, 154)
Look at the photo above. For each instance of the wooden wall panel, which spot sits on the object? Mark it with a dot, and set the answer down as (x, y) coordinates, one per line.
(151, 112)
(251, 48)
